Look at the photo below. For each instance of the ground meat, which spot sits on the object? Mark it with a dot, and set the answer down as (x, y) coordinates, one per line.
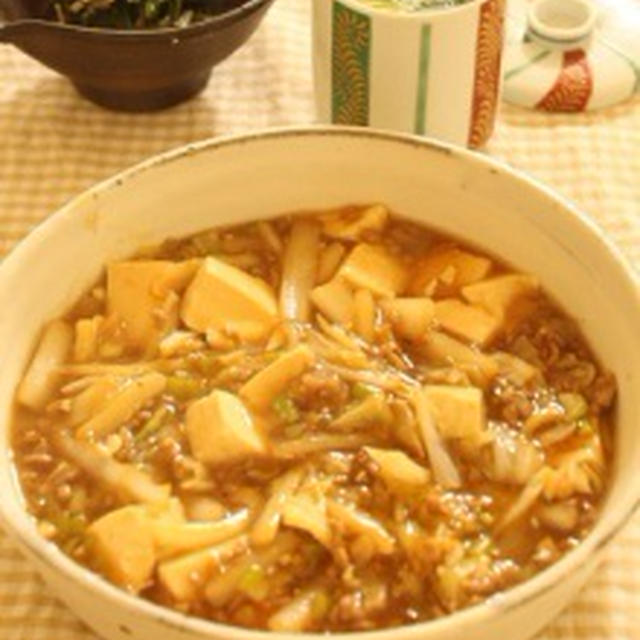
(553, 343)
(363, 460)
(500, 574)
(545, 336)
(319, 389)
(427, 553)
(357, 608)
(349, 608)
(602, 392)
(546, 552)
(510, 403)
(571, 374)
(464, 511)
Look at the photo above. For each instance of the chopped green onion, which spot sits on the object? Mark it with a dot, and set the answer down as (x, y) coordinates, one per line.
(151, 9)
(584, 426)
(185, 388)
(286, 409)
(486, 518)
(253, 582)
(154, 423)
(69, 524)
(360, 390)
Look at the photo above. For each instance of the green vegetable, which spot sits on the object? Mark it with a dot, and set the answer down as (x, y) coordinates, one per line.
(68, 523)
(360, 390)
(286, 409)
(151, 8)
(585, 426)
(142, 14)
(185, 388)
(254, 583)
(176, 9)
(486, 518)
(154, 423)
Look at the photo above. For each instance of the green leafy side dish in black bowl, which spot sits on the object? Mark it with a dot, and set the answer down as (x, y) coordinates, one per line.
(131, 55)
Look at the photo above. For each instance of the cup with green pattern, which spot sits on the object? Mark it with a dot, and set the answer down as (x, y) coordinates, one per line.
(430, 67)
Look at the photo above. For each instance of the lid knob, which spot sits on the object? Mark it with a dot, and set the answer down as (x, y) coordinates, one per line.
(561, 24)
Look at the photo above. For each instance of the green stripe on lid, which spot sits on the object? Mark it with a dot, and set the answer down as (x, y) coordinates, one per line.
(423, 80)
(525, 65)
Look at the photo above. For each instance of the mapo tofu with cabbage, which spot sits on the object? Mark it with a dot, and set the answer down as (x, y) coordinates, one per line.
(323, 422)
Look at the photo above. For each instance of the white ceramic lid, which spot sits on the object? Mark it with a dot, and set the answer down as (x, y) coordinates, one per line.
(571, 55)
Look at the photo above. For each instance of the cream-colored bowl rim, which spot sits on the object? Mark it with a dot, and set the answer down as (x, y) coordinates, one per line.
(21, 527)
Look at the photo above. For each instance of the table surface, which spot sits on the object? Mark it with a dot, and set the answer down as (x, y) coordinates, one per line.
(54, 144)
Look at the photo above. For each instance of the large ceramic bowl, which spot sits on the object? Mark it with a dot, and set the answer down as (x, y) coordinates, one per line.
(132, 70)
(238, 179)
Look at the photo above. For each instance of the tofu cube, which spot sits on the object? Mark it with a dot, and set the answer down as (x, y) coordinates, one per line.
(397, 468)
(262, 389)
(445, 270)
(459, 412)
(335, 300)
(444, 350)
(221, 430)
(373, 267)
(355, 224)
(122, 545)
(409, 317)
(465, 321)
(140, 292)
(496, 295)
(223, 298)
(183, 577)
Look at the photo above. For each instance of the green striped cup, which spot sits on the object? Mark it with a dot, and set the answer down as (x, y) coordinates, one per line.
(432, 72)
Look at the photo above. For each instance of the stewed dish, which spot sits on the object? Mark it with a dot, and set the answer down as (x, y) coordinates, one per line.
(329, 421)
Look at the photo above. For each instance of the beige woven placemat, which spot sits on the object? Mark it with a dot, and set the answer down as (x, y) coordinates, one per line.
(54, 144)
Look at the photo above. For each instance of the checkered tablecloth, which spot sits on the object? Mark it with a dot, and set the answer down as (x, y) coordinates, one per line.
(54, 144)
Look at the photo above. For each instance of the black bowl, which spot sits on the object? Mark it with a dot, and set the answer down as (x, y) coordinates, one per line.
(132, 70)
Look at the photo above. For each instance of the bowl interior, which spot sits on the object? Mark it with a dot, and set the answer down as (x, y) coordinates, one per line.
(230, 181)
